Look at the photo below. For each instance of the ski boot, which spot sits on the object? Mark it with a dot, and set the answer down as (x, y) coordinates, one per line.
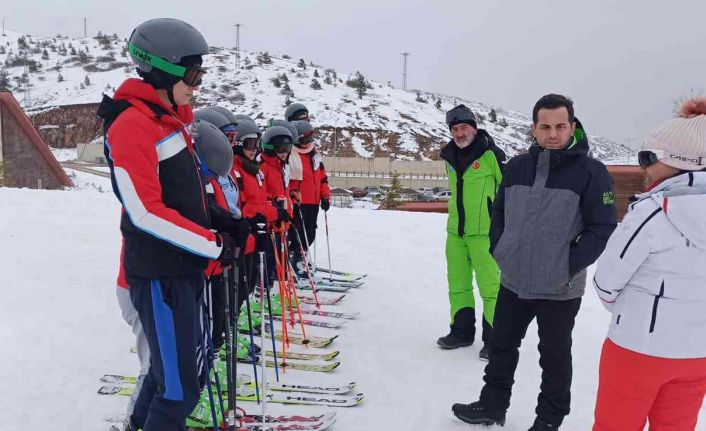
(202, 416)
(463, 330)
(540, 425)
(477, 414)
(483, 355)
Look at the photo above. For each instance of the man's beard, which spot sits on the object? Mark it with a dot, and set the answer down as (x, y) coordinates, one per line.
(463, 143)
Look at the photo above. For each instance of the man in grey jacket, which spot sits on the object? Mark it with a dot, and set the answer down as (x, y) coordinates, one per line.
(552, 217)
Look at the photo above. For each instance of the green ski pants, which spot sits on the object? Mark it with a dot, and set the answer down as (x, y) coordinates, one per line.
(466, 256)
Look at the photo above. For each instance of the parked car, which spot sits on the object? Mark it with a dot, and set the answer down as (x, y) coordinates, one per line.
(358, 192)
(443, 196)
(425, 190)
(439, 189)
(425, 198)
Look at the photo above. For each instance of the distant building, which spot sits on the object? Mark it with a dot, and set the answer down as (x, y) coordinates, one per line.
(25, 159)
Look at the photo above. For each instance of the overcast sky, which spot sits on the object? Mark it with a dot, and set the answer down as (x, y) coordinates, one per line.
(623, 62)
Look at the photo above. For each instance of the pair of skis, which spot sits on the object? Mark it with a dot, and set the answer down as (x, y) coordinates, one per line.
(319, 422)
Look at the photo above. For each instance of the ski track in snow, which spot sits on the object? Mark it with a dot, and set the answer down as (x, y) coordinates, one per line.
(61, 326)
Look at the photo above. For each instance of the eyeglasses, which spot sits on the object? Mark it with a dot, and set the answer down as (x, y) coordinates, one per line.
(251, 143)
(647, 158)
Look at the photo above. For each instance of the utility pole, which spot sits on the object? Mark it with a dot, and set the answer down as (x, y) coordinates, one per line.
(237, 46)
(404, 71)
(85, 28)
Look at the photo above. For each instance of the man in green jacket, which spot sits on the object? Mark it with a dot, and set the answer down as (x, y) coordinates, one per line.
(474, 165)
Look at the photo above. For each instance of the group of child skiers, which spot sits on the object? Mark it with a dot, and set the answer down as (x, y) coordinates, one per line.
(202, 193)
(529, 228)
(205, 192)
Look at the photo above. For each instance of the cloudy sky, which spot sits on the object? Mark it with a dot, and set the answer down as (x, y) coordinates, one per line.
(623, 62)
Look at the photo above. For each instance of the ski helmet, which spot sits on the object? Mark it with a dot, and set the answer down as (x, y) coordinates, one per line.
(228, 114)
(213, 148)
(305, 133)
(212, 116)
(287, 125)
(460, 114)
(247, 135)
(168, 50)
(277, 139)
(243, 117)
(296, 111)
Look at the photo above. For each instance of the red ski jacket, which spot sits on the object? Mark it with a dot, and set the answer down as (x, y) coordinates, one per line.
(314, 183)
(156, 178)
(277, 180)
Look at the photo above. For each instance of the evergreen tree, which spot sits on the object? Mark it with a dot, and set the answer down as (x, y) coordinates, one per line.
(316, 73)
(59, 78)
(359, 83)
(493, 116)
(4, 79)
(45, 54)
(392, 197)
(315, 84)
(302, 64)
(277, 83)
(86, 81)
(438, 104)
(284, 77)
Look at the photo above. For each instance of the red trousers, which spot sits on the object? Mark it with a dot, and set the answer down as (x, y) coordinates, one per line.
(634, 387)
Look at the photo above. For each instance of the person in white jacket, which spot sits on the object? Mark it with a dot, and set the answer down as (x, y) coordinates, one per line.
(652, 278)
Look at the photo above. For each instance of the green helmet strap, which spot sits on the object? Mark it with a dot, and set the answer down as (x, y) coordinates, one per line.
(159, 63)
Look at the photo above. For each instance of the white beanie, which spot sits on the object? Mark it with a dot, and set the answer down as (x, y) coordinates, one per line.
(681, 142)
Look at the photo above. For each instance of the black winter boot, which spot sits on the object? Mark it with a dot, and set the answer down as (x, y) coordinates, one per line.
(483, 354)
(463, 330)
(540, 425)
(477, 414)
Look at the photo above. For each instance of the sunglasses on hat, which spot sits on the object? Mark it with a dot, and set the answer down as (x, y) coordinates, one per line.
(647, 158)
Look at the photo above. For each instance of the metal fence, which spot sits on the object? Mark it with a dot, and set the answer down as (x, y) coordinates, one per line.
(386, 175)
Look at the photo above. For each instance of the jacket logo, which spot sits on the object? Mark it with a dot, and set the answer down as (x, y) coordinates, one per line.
(475, 165)
(608, 198)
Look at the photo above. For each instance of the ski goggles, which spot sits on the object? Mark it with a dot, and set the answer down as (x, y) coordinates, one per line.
(191, 75)
(230, 133)
(250, 144)
(306, 138)
(281, 144)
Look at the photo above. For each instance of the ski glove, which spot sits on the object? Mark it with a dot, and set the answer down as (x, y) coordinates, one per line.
(325, 204)
(258, 219)
(227, 248)
(261, 239)
(282, 215)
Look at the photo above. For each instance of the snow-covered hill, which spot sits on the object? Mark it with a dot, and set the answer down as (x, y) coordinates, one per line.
(46, 72)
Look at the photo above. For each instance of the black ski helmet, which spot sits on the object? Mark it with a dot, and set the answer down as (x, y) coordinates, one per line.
(213, 148)
(460, 114)
(305, 133)
(277, 138)
(296, 111)
(167, 50)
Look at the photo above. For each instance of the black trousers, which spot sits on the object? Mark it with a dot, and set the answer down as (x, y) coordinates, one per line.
(304, 222)
(170, 314)
(555, 322)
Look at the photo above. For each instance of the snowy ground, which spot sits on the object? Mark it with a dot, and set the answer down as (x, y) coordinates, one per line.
(61, 328)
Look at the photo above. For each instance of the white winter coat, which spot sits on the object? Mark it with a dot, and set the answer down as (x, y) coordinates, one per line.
(652, 274)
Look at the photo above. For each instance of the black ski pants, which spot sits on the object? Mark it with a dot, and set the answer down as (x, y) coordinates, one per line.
(170, 313)
(304, 222)
(555, 322)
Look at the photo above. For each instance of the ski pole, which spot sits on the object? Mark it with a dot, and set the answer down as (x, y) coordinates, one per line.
(263, 352)
(205, 335)
(253, 356)
(266, 291)
(234, 331)
(306, 236)
(312, 283)
(328, 246)
(208, 356)
(229, 415)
